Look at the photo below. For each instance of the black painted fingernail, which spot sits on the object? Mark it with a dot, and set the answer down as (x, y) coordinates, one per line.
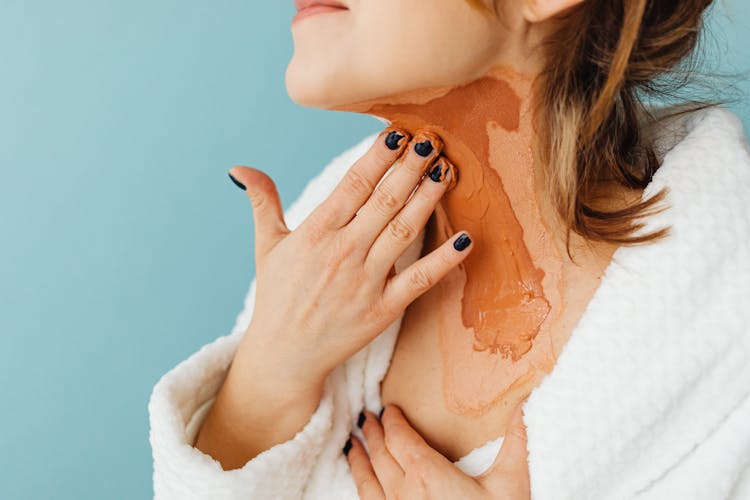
(435, 172)
(237, 183)
(393, 140)
(462, 242)
(423, 148)
(380, 415)
(347, 447)
(361, 419)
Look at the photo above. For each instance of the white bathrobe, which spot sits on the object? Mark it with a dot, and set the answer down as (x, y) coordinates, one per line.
(649, 399)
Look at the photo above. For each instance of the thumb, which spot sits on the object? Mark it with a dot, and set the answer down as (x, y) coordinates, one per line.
(511, 461)
(268, 215)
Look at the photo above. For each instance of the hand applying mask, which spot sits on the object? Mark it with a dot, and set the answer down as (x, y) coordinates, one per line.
(402, 465)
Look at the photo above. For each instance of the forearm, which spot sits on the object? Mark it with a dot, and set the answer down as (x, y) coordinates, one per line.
(253, 411)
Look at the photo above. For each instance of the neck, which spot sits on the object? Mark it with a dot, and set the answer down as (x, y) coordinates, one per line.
(488, 134)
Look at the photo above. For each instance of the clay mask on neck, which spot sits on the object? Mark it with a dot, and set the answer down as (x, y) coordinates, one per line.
(494, 305)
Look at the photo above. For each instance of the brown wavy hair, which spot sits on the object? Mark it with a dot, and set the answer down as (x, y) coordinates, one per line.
(604, 58)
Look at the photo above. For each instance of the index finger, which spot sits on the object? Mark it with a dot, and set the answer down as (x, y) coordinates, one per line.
(360, 180)
(368, 486)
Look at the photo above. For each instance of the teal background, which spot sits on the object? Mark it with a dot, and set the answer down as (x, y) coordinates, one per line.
(124, 246)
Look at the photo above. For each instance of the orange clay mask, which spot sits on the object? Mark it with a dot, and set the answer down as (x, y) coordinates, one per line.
(494, 306)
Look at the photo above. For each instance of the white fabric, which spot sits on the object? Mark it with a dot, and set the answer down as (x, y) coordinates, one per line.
(649, 399)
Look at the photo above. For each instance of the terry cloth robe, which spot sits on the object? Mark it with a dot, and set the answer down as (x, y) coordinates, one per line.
(649, 398)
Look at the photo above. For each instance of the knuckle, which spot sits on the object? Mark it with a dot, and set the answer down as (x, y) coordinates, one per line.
(323, 216)
(314, 229)
(420, 279)
(257, 201)
(425, 199)
(445, 259)
(357, 184)
(414, 166)
(377, 312)
(400, 230)
(420, 470)
(343, 249)
(414, 465)
(384, 201)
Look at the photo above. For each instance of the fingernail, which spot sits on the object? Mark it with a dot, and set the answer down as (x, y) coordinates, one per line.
(462, 242)
(237, 183)
(361, 419)
(435, 172)
(449, 174)
(423, 148)
(347, 447)
(380, 415)
(393, 140)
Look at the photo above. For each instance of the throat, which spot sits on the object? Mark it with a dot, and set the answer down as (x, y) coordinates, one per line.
(496, 305)
(494, 330)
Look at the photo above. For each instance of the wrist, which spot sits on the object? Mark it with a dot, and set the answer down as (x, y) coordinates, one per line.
(276, 366)
(247, 418)
(260, 385)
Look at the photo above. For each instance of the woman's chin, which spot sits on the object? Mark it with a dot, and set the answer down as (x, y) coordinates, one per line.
(341, 90)
(313, 92)
(306, 89)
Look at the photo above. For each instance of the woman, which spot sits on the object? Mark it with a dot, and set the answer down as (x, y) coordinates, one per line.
(527, 262)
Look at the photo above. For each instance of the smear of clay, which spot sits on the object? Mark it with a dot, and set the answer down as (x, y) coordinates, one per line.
(500, 289)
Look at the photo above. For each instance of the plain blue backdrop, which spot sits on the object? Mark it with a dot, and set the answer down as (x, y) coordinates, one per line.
(124, 247)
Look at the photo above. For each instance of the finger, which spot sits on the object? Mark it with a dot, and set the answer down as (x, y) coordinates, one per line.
(404, 443)
(420, 276)
(387, 470)
(404, 227)
(512, 459)
(368, 486)
(360, 180)
(392, 193)
(268, 214)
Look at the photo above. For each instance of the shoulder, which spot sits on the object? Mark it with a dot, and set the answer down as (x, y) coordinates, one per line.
(705, 262)
(323, 183)
(713, 136)
(706, 168)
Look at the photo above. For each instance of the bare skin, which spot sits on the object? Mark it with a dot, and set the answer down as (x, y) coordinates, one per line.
(414, 378)
(325, 289)
(360, 54)
(478, 342)
(419, 379)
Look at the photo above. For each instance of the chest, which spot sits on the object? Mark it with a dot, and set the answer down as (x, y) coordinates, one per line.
(458, 399)
(416, 382)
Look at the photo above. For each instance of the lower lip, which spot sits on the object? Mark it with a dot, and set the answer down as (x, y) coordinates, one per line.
(315, 9)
